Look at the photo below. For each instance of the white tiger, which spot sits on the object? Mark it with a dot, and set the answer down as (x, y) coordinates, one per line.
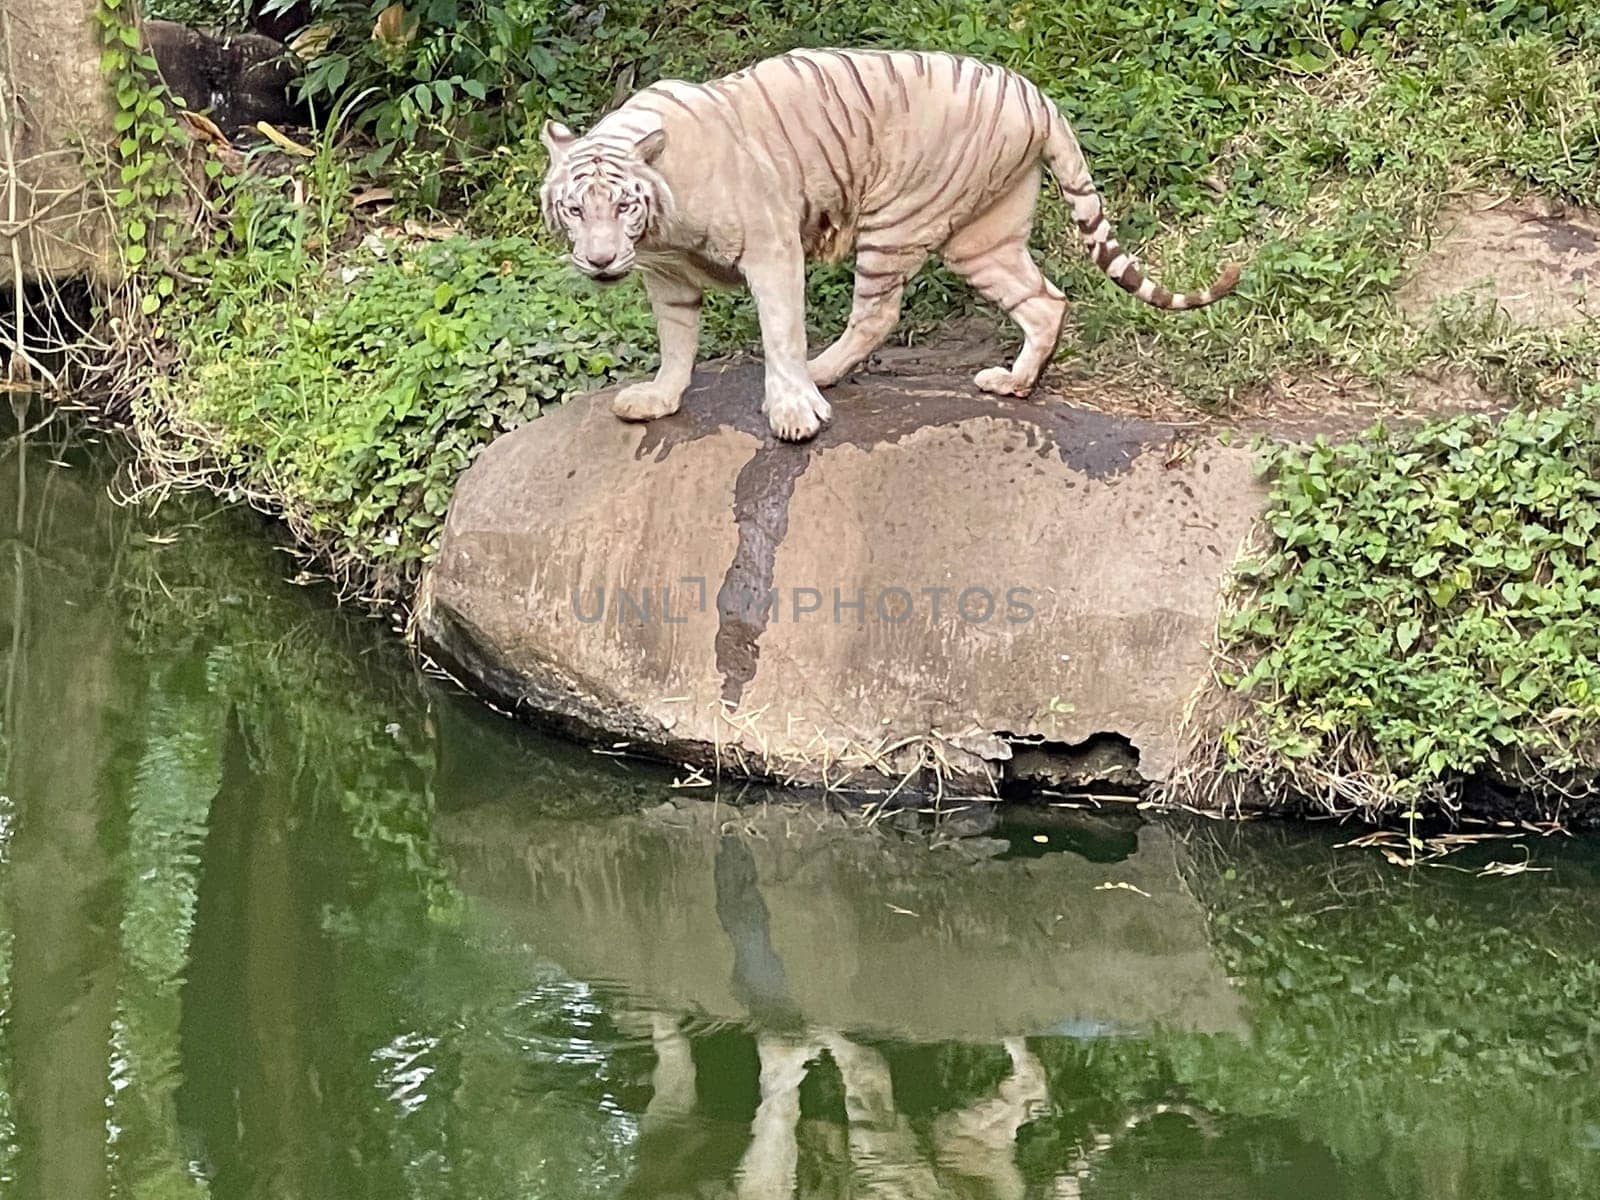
(814, 153)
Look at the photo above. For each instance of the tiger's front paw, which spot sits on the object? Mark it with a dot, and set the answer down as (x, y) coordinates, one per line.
(796, 413)
(645, 401)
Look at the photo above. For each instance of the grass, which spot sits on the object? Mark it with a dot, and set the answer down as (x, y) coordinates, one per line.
(346, 390)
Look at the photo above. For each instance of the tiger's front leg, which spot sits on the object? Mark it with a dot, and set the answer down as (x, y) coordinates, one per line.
(794, 407)
(676, 305)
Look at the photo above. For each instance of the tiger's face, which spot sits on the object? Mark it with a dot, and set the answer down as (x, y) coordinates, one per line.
(603, 193)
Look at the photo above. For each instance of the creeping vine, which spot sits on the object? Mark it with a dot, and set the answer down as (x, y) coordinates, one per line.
(145, 174)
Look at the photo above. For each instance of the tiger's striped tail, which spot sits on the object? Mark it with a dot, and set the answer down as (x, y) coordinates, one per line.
(1072, 176)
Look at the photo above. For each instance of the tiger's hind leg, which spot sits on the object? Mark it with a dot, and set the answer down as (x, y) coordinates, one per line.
(992, 254)
(880, 282)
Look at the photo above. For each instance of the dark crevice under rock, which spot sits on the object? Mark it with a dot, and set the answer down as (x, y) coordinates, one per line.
(1104, 760)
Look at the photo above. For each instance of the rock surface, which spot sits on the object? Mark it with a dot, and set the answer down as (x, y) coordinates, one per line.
(940, 578)
(236, 79)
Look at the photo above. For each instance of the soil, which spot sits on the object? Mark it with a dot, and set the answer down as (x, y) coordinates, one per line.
(1291, 407)
(1540, 261)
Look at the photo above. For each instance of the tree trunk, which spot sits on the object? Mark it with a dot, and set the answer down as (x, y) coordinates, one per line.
(56, 113)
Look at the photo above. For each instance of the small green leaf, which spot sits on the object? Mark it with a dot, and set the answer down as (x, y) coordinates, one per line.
(1406, 634)
(1426, 564)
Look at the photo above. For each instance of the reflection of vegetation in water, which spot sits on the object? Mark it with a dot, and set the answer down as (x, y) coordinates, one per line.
(233, 908)
(1444, 1032)
(122, 660)
(62, 685)
(316, 691)
(11, 598)
(257, 849)
(328, 911)
(169, 797)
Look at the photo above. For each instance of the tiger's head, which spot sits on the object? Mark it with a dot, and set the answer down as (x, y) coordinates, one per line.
(605, 194)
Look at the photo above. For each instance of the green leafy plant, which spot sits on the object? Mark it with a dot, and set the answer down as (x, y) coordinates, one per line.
(350, 394)
(440, 82)
(1425, 610)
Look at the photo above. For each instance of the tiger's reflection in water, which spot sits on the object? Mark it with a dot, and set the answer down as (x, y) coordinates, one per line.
(977, 1141)
(880, 1151)
(970, 1151)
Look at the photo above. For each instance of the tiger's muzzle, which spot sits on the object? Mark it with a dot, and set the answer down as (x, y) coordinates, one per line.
(611, 271)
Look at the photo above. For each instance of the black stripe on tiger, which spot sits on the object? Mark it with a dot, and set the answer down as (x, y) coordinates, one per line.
(827, 84)
(892, 68)
(861, 85)
(844, 189)
(967, 160)
(783, 131)
(998, 160)
(1088, 213)
(827, 79)
(672, 99)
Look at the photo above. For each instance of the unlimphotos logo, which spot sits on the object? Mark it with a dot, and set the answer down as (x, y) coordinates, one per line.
(861, 605)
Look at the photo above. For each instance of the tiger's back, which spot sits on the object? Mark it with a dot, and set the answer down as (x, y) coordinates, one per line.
(868, 142)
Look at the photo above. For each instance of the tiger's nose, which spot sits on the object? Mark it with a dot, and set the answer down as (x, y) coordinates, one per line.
(601, 259)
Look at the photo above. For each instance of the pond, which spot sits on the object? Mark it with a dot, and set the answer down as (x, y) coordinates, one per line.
(281, 917)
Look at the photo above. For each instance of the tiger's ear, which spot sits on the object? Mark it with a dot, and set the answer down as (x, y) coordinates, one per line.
(557, 139)
(649, 147)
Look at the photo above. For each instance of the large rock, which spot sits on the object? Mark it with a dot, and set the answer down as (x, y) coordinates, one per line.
(938, 578)
(236, 79)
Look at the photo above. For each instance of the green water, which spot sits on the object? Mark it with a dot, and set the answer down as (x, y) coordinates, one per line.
(280, 918)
